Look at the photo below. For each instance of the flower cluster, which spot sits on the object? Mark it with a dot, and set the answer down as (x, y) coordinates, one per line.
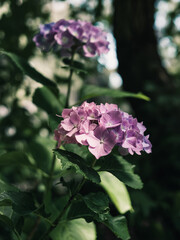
(101, 127)
(68, 35)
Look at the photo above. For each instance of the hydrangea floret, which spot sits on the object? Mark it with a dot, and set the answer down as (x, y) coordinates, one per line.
(65, 35)
(101, 127)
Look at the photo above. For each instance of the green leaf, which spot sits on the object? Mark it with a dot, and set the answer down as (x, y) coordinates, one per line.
(5, 216)
(118, 226)
(6, 187)
(77, 66)
(46, 100)
(69, 159)
(53, 122)
(77, 70)
(116, 191)
(26, 68)
(5, 202)
(77, 229)
(121, 169)
(18, 158)
(91, 91)
(6, 211)
(80, 210)
(14, 157)
(82, 151)
(22, 202)
(97, 202)
(6, 220)
(41, 151)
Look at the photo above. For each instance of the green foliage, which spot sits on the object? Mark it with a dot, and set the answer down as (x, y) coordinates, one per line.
(69, 159)
(6, 187)
(6, 219)
(14, 203)
(95, 206)
(97, 202)
(46, 100)
(91, 91)
(121, 169)
(22, 203)
(77, 66)
(41, 151)
(51, 206)
(118, 226)
(14, 157)
(77, 229)
(116, 191)
(25, 67)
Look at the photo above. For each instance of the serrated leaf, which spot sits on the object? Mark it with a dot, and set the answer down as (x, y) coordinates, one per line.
(91, 91)
(6, 211)
(82, 151)
(80, 210)
(27, 69)
(22, 202)
(46, 100)
(6, 220)
(5, 216)
(121, 169)
(69, 159)
(77, 229)
(117, 192)
(97, 202)
(118, 226)
(5, 202)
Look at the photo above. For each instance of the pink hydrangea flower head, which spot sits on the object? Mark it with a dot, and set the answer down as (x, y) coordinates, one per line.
(100, 128)
(102, 142)
(87, 39)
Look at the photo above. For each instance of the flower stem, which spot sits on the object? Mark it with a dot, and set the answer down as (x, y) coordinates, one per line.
(56, 221)
(49, 183)
(69, 81)
(31, 235)
(17, 234)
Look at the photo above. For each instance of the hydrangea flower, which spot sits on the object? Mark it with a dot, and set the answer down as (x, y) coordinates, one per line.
(66, 35)
(101, 127)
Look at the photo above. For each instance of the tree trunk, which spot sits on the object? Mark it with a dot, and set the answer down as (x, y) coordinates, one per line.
(141, 69)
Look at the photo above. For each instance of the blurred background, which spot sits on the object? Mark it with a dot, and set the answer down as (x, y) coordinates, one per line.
(144, 57)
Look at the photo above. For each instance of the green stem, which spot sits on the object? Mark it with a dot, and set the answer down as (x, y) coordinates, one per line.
(69, 80)
(56, 221)
(49, 183)
(17, 234)
(31, 235)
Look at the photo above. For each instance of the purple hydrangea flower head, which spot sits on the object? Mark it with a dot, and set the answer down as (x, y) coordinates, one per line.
(87, 39)
(101, 127)
(65, 39)
(45, 38)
